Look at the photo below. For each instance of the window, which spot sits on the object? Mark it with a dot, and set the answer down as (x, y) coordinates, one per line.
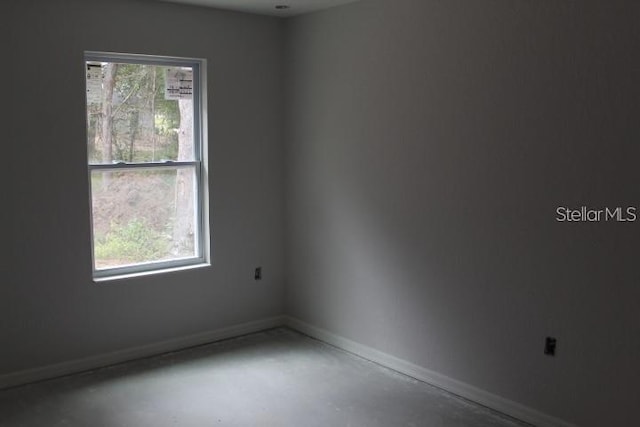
(146, 161)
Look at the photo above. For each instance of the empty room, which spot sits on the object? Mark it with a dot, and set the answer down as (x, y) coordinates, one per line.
(361, 213)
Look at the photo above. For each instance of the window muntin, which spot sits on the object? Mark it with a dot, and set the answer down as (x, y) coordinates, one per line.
(145, 158)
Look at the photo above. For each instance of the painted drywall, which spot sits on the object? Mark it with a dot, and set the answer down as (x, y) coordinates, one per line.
(50, 309)
(428, 146)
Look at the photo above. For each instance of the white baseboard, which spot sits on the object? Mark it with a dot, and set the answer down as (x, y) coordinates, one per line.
(467, 391)
(94, 362)
(451, 385)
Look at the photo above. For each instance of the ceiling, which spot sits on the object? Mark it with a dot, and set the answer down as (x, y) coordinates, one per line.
(268, 7)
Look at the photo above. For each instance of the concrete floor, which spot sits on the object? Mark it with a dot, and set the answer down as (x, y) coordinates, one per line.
(273, 378)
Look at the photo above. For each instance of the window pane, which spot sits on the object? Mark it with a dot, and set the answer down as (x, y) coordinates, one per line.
(139, 113)
(143, 215)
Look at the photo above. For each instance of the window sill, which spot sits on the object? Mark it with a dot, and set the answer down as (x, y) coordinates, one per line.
(125, 276)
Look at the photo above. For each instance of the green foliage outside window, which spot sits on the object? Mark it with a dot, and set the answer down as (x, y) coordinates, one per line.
(131, 243)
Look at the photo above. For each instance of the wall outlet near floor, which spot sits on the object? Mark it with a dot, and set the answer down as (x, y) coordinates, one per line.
(257, 275)
(550, 346)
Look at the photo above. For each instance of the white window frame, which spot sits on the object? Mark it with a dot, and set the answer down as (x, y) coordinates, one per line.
(202, 242)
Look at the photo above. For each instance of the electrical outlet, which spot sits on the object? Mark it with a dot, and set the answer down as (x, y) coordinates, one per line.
(550, 346)
(257, 275)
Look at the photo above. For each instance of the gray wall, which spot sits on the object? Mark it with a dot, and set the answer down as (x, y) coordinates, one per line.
(428, 147)
(50, 309)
